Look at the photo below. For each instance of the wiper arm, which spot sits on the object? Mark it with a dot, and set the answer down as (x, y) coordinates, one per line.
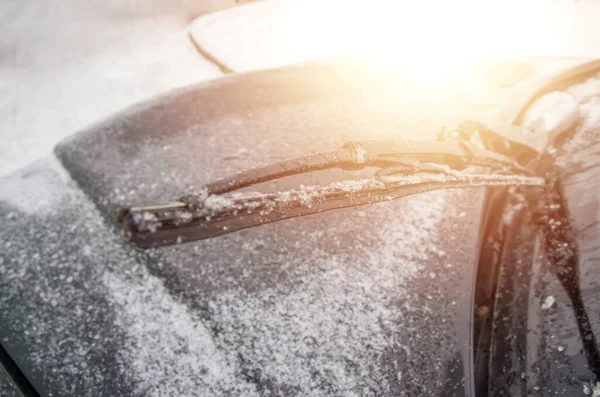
(399, 155)
(406, 168)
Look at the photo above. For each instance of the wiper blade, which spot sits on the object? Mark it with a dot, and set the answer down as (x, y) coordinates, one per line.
(406, 168)
(397, 155)
(179, 222)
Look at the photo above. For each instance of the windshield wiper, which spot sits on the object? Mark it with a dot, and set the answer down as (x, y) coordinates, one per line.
(462, 157)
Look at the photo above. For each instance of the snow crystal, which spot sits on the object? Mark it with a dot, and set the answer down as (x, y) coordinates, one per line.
(591, 389)
(148, 216)
(217, 203)
(182, 217)
(551, 114)
(357, 185)
(586, 389)
(34, 198)
(548, 302)
(359, 155)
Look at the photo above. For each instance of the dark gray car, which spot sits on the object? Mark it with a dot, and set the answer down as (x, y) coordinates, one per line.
(454, 292)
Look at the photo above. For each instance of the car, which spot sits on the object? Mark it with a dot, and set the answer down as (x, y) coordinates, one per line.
(459, 278)
(458, 292)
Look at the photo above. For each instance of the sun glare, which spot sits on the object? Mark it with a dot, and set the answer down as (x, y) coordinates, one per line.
(430, 39)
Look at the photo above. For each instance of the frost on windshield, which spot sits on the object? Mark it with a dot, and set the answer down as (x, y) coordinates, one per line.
(330, 304)
(326, 308)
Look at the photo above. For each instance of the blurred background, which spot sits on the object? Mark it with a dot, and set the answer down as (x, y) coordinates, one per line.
(66, 64)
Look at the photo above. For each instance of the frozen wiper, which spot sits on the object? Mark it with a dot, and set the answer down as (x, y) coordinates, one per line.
(405, 168)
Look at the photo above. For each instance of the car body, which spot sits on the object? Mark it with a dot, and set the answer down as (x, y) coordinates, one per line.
(383, 299)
